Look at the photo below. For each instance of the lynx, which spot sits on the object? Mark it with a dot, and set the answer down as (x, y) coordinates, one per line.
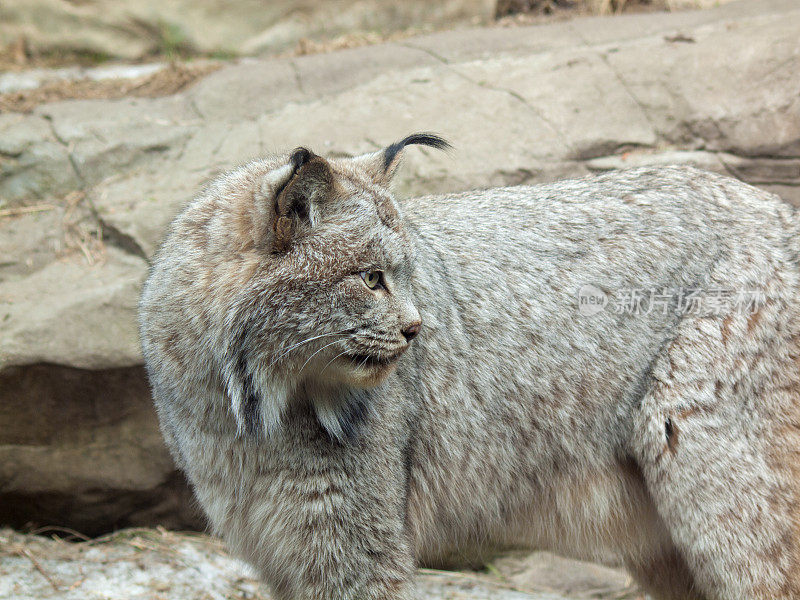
(607, 366)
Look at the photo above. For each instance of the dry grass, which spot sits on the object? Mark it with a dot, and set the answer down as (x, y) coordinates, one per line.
(169, 80)
(567, 8)
(81, 232)
(350, 40)
(112, 565)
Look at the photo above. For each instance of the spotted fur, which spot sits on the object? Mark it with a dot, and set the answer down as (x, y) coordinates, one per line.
(335, 455)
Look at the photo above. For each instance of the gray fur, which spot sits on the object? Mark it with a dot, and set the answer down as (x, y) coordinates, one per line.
(669, 439)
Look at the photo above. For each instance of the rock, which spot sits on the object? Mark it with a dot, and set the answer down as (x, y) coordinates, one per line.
(88, 188)
(136, 30)
(83, 317)
(82, 448)
(577, 579)
(33, 163)
(140, 564)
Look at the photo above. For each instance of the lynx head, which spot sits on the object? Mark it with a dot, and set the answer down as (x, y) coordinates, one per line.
(307, 271)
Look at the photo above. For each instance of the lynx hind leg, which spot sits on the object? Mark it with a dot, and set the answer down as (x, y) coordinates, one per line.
(665, 576)
(718, 440)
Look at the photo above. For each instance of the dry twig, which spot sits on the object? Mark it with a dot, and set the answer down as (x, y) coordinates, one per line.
(23, 210)
(29, 555)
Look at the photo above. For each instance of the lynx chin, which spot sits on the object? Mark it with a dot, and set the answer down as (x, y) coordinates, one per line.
(356, 384)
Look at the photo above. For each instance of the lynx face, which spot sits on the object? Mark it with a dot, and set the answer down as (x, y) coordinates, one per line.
(351, 272)
(325, 304)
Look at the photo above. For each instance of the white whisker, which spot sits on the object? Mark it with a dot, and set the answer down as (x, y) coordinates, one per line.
(315, 353)
(311, 339)
(331, 360)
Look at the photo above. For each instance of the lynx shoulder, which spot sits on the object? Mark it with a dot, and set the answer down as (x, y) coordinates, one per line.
(355, 385)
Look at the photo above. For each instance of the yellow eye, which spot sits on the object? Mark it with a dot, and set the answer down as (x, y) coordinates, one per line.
(372, 279)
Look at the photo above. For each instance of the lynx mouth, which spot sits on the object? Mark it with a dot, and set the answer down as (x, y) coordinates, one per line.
(372, 360)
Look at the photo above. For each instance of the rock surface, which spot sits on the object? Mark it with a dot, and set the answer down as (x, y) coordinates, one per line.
(135, 30)
(88, 187)
(142, 564)
(82, 448)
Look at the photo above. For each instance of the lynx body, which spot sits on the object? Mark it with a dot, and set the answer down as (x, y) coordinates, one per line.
(335, 449)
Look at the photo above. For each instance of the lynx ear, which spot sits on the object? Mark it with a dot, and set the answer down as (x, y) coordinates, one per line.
(382, 165)
(289, 198)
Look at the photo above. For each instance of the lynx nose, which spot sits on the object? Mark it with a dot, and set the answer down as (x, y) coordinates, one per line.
(412, 330)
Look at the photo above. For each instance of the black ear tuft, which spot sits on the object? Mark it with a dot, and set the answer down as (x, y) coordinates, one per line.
(310, 184)
(299, 157)
(424, 139)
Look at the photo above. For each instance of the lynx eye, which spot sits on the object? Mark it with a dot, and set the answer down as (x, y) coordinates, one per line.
(372, 279)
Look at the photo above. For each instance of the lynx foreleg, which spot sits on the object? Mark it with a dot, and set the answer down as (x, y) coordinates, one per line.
(320, 519)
